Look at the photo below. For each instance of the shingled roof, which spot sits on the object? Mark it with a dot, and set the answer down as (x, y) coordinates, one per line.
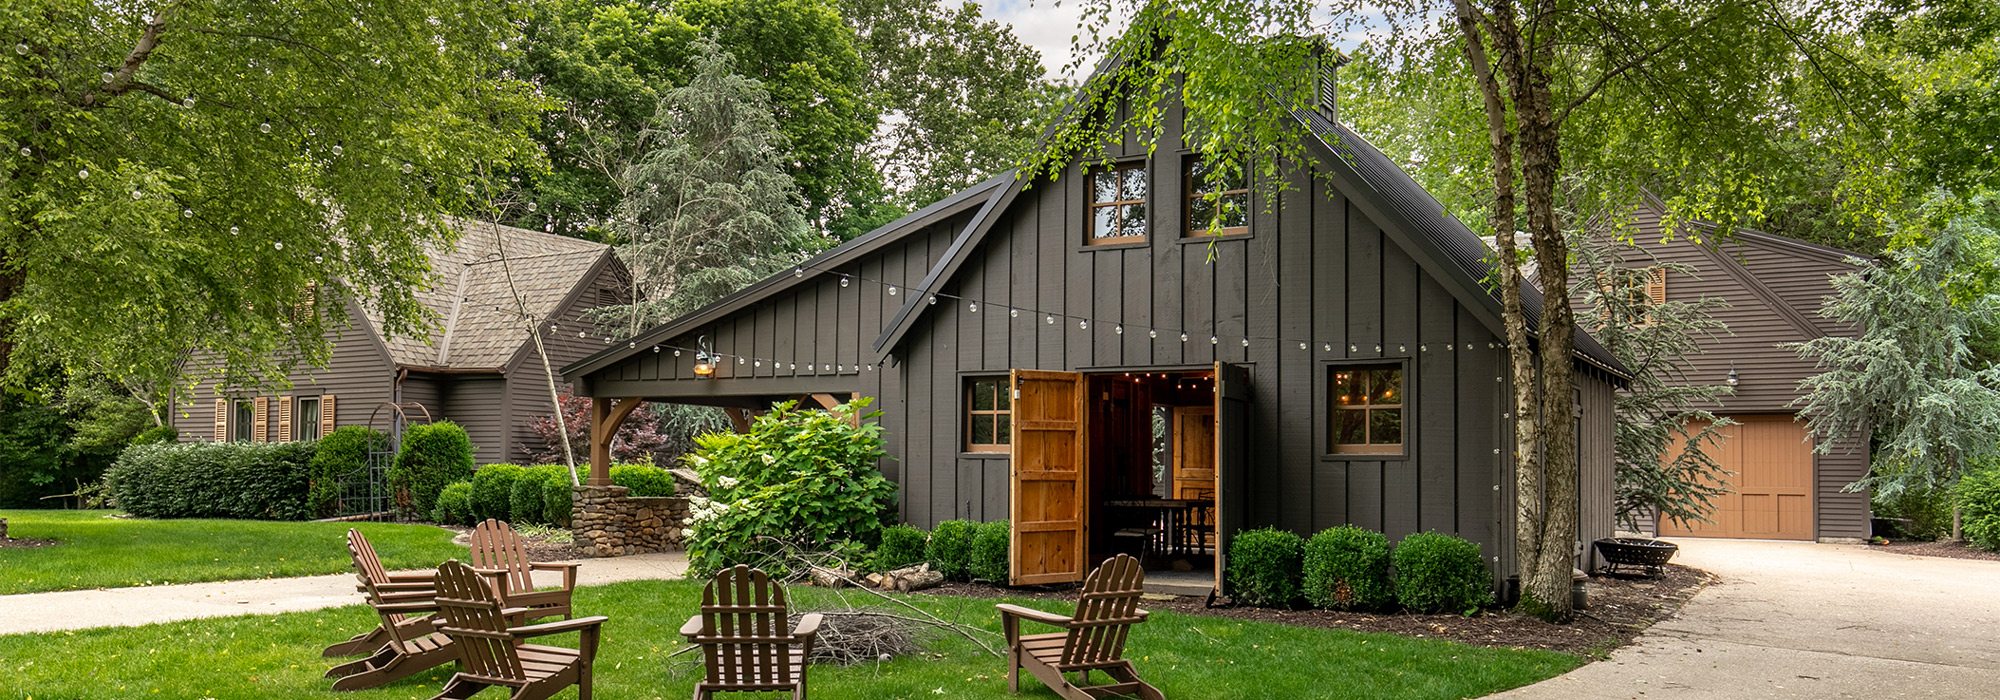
(478, 315)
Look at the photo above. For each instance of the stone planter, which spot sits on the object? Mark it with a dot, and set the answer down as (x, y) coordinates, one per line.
(609, 523)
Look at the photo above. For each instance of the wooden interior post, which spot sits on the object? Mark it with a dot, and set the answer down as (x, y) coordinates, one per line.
(605, 417)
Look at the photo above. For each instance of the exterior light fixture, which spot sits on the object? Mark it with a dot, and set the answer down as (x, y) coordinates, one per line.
(1732, 378)
(704, 360)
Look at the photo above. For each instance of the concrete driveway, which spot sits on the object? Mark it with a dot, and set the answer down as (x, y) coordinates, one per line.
(1802, 620)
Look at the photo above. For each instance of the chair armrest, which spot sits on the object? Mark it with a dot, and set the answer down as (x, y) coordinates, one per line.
(808, 626)
(411, 576)
(558, 627)
(497, 580)
(408, 596)
(410, 607)
(1140, 613)
(568, 570)
(693, 627)
(423, 585)
(1011, 610)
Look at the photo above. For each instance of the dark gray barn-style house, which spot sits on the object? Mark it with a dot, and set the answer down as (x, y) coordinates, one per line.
(1066, 355)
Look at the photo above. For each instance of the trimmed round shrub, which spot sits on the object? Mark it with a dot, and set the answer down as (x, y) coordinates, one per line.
(1979, 504)
(251, 481)
(989, 552)
(433, 455)
(1347, 568)
(644, 480)
(1264, 567)
(902, 545)
(527, 495)
(454, 505)
(493, 491)
(950, 549)
(157, 435)
(342, 454)
(558, 499)
(1436, 572)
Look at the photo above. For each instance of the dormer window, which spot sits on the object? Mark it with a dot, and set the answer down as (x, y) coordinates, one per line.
(1118, 204)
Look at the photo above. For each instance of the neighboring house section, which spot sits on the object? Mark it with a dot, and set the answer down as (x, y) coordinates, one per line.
(1774, 286)
(478, 369)
(1080, 357)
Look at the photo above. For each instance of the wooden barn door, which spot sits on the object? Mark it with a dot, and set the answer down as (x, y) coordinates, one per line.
(1047, 538)
(1232, 458)
(1770, 484)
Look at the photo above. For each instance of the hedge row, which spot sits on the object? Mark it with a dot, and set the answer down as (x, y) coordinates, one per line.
(1349, 568)
(254, 481)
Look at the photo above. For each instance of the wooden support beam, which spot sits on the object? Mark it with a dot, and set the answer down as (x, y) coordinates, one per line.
(605, 417)
(739, 419)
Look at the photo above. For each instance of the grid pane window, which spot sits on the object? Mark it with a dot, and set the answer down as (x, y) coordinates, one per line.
(989, 423)
(1118, 204)
(243, 424)
(1218, 199)
(1367, 411)
(305, 422)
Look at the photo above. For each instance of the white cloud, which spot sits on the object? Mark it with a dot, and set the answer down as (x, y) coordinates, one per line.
(1046, 25)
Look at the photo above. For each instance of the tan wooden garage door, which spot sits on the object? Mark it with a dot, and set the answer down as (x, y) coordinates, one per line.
(1771, 485)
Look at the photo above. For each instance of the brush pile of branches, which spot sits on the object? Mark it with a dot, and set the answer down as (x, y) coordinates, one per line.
(853, 636)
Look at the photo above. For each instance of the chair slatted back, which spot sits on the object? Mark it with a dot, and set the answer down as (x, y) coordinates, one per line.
(496, 546)
(746, 637)
(1105, 612)
(367, 566)
(473, 621)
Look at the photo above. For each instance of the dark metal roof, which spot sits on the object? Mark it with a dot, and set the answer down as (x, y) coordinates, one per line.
(1436, 229)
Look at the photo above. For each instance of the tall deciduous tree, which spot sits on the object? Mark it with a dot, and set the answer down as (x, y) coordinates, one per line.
(176, 175)
(1911, 379)
(1664, 89)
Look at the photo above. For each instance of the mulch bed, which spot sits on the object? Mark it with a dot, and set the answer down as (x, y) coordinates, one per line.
(539, 549)
(24, 543)
(1953, 550)
(1620, 608)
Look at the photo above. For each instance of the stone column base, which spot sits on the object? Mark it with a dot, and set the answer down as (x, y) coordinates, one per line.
(609, 523)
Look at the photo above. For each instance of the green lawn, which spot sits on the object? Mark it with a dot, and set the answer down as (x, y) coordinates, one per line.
(97, 551)
(1187, 656)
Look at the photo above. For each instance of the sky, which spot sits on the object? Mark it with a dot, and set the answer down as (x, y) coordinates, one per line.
(1042, 24)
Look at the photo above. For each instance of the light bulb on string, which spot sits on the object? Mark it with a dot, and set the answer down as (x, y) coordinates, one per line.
(1246, 342)
(933, 300)
(843, 281)
(1013, 313)
(1119, 329)
(1083, 324)
(1049, 319)
(1184, 337)
(972, 307)
(892, 290)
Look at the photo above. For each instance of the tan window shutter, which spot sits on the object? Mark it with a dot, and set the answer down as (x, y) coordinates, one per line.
(284, 419)
(222, 420)
(261, 426)
(326, 415)
(1656, 285)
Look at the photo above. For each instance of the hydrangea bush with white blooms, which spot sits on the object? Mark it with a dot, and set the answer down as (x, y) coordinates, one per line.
(803, 477)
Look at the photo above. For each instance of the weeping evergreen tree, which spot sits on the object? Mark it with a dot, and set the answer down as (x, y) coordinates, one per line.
(707, 208)
(1911, 377)
(1661, 413)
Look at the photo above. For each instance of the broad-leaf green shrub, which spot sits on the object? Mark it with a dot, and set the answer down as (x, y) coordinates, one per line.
(342, 454)
(255, 481)
(493, 491)
(950, 549)
(558, 500)
(989, 552)
(157, 435)
(1347, 568)
(644, 480)
(902, 545)
(530, 495)
(1979, 504)
(432, 455)
(806, 478)
(1265, 567)
(1436, 572)
(454, 505)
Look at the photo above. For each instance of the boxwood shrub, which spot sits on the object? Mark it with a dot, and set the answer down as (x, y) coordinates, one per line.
(1264, 567)
(493, 491)
(989, 552)
(1979, 504)
(643, 479)
(902, 545)
(342, 454)
(454, 506)
(525, 498)
(1347, 568)
(1436, 572)
(558, 499)
(950, 549)
(432, 455)
(254, 481)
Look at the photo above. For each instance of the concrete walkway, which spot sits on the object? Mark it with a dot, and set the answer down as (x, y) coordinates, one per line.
(1801, 620)
(130, 607)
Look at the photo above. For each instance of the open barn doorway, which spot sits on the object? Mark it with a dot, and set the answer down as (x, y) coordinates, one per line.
(1150, 451)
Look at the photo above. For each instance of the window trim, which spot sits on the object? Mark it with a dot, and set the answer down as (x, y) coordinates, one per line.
(1091, 205)
(1002, 386)
(243, 420)
(1330, 451)
(299, 422)
(1189, 193)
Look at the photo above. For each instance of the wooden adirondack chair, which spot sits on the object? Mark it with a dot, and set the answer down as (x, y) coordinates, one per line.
(490, 651)
(497, 551)
(741, 633)
(1092, 640)
(372, 579)
(410, 644)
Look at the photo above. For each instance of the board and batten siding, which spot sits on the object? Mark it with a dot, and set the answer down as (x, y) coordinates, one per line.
(357, 371)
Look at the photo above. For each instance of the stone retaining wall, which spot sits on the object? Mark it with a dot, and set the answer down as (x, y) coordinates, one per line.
(609, 523)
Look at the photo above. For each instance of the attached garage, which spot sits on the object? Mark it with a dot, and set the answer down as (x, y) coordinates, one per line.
(1770, 485)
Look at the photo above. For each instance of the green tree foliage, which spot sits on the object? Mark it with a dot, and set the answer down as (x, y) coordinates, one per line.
(432, 456)
(1978, 496)
(801, 478)
(1662, 467)
(175, 176)
(708, 207)
(54, 441)
(1909, 379)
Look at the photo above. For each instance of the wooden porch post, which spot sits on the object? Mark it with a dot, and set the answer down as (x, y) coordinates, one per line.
(605, 417)
(739, 419)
